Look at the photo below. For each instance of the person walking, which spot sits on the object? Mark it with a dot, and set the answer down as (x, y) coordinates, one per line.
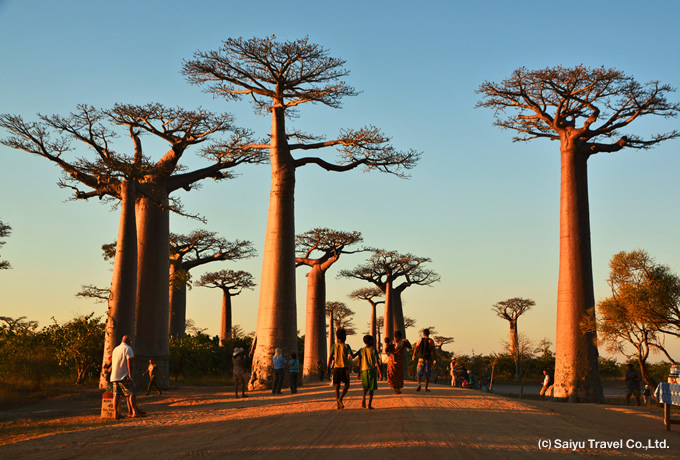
(424, 351)
(122, 363)
(340, 361)
(369, 366)
(395, 365)
(153, 371)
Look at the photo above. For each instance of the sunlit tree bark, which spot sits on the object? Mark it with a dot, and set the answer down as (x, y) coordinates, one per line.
(280, 76)
(181, 129)
(329, 244)
(585, 110)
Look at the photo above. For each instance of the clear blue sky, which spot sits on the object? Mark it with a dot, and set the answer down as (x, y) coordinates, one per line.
(485, 209)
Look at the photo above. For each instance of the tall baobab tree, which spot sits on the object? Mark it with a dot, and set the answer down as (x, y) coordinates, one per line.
(586, 110)
(319, 249)
(190, 251)
(109, 174)
(280, 77)
(510, 310)
(231, 283)
(383, 270)
(181, 129)
(140, 278)
(5, 231)
(368, 294)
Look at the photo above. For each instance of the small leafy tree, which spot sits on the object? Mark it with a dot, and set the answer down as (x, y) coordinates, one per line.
(644, 295)
(78, 344)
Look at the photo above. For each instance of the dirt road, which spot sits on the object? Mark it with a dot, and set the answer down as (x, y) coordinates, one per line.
(446, 423)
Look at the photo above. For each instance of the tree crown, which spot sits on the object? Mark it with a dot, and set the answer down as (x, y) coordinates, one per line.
(580, 102)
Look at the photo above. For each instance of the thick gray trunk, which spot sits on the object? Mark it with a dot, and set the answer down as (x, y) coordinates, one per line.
(577, 376)
(276, 316)
(151, 336)
(178, 306)
(122, 301)
(315, 324)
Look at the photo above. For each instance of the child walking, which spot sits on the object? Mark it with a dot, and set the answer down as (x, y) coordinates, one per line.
(370, 370)
(340, 361)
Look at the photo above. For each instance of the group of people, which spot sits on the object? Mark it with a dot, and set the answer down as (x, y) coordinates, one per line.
(370, 369)
(465, 378)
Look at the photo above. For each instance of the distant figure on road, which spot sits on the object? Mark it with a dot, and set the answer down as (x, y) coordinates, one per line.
(294, 371)
(424, 351)
(547, 384)
(452, 371)
(240, 375)
(153, 374)
(633, 383)
(279, 365)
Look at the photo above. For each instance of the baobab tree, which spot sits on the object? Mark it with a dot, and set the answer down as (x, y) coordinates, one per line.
(5, 231)
(231, 283)
(586, 110)
(383, 269)
(140, 279)
(190, 251)
(181, 129)
(280, 77)
(109, 174)
(368, 294)
(319, 249)
(510, 310)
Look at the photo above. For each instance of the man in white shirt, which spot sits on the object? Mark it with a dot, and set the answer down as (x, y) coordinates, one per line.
(121, 378)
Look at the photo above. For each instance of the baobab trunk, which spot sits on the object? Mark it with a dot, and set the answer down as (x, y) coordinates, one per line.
(178, 306)
(225, 326)
(398, 313)
(331, 333)
(276, 316)
(122, 300)
(374, 322)
(388, 320)
(151, 336)
(315, 324)
(577, 376)
(514, 349)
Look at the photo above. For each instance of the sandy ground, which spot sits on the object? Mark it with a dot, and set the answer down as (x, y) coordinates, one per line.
(446, 423)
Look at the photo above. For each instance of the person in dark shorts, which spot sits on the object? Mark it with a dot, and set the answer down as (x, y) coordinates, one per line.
(340, 362)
